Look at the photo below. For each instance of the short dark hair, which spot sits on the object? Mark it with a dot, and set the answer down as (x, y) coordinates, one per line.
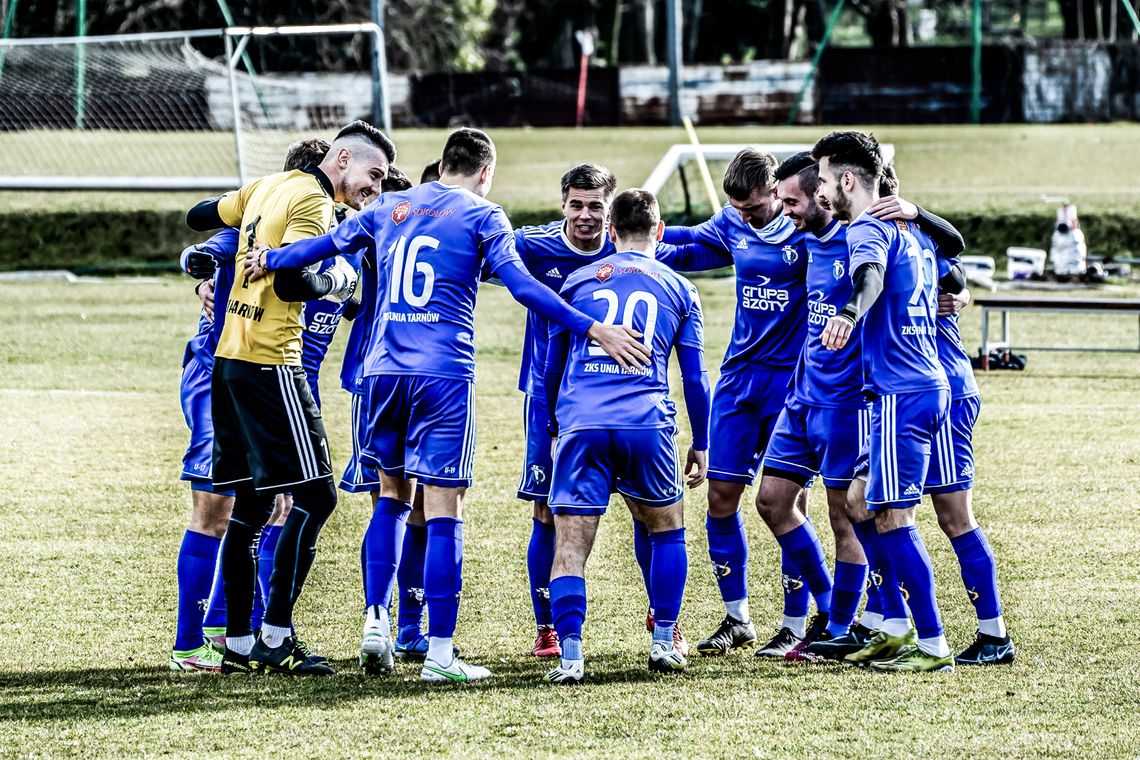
(805, 166)
(395, 181)
(635, 213)
(305, 153)
(751, 169)
(889, 181)
(430, 172)
(373, 135)
(466, 152)
(855, 152)
(589, 177)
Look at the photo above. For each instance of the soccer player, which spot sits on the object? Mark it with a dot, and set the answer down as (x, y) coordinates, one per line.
(894, 297)
(269, 436)
(430, 173)
(433, 241)
(819, 431)
(768, 333)
(950, 479)
(615, 428)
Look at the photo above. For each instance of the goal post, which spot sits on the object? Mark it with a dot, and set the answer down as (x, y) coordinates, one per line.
(178, 110)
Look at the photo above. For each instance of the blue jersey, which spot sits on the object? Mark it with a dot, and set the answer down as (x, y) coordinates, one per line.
(432, 241)
(223, 247)
(771, 300)
(634, 290)
(955, 361)
(826, 378)
(355, 349)
(319, 319)
(899, 350)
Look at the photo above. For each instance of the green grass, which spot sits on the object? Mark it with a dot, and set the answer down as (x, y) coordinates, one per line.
(955, 169)
(93, 515)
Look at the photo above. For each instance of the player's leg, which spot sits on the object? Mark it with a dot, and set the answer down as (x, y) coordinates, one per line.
(910, 423)
(950, 485)
(267, 553)
(383, 542)
(411, 640)
(534, 486)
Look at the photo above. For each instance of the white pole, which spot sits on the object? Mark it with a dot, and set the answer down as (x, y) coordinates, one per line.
(231, 59)
(381, 108)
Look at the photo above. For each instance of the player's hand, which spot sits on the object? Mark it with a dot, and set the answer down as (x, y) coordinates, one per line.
(255, 262)
(893, 207)
(949, 305)
(205, 291)
(696, 467)
(621, 344)
(200, 265)
(837, 332)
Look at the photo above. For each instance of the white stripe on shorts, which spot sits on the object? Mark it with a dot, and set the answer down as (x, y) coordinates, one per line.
(301, 442)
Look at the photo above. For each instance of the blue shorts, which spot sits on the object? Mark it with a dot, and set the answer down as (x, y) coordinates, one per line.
(421, 427)
(952, 463)
(534, 485)
(745, 407)
(815, 440)
(903, 429)
(198, 463)
(589, 465)
(359, 477)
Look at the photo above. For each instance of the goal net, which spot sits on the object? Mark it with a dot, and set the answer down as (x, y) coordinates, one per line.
(177, 111)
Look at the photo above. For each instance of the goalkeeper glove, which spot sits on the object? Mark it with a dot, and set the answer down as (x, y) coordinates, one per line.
(198, 263)
(344, 280)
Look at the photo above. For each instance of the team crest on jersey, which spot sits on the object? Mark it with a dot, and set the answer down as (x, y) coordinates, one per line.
(400, 213)
(604, 272)
(837, 269)
(791, 255)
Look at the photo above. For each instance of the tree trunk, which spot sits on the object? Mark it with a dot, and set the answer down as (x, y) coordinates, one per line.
(693, 32)
(647, 26)
(499, 43)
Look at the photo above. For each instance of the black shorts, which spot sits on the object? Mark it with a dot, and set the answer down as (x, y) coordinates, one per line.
(267, 428)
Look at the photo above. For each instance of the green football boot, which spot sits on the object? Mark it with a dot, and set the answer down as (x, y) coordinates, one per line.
(881, 647)
(911, 659)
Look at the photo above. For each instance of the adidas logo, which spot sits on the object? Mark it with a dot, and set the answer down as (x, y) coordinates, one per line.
(913, 490)
(554, 273)
(742, 245)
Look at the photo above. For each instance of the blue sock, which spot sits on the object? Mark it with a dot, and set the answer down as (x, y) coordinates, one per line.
(568, 605)
(383, 542)
(850, 579)
(796, 594)
(912, 566)
(197, 558)
(728, 550)
(643, 552)
(266, 552)
(979, 572)
(443, 575)
(668, 570)
(889, 599)
(802, 549)
(216, 608)
(410, 577)
(539, 558)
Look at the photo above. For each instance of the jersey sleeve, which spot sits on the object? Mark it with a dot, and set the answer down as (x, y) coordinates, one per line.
(692, 329)
(354, 235)
(497, 240)
(692, 257)
(232, 205)
(222, 246)
(868, 244)
(309, 216)
(709, 232)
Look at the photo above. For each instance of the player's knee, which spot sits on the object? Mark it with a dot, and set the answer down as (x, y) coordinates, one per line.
(724, 498)
(542, 513)
(954, 518)
(893, 519)
(317, 498)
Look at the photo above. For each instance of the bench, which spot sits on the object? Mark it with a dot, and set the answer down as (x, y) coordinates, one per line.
(1008, 304)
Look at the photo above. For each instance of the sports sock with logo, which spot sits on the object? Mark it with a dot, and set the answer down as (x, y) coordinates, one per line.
(803, 551)
(850, 578)
(643, 552)
(728, 550)
(383, 543)
(568, 605)
(979, 573)
(669, 567)
(275, 635)
(539, 558)
(410, 577)
(443, 576)
(890, 600)
(912, 565)
(313, 503)
(197, 558)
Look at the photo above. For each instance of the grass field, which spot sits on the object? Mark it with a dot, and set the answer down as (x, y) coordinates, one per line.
(942, 167)
(93, 515)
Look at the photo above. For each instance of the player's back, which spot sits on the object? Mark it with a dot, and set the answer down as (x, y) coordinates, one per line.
(951, 352)
(634, 290)
(431, 240)
(899, 351)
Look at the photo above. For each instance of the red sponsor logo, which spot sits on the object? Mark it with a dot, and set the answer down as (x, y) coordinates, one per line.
(400, 213)
(604, 272)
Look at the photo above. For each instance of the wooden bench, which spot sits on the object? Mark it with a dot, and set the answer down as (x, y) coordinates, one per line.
(1008, 304)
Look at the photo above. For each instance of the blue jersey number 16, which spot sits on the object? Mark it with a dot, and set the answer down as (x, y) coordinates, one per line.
(405, 268)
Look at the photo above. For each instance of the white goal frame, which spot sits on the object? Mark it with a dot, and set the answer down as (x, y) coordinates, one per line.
(236, 39)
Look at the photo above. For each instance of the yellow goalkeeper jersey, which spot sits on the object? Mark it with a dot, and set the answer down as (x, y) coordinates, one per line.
(275, 210)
